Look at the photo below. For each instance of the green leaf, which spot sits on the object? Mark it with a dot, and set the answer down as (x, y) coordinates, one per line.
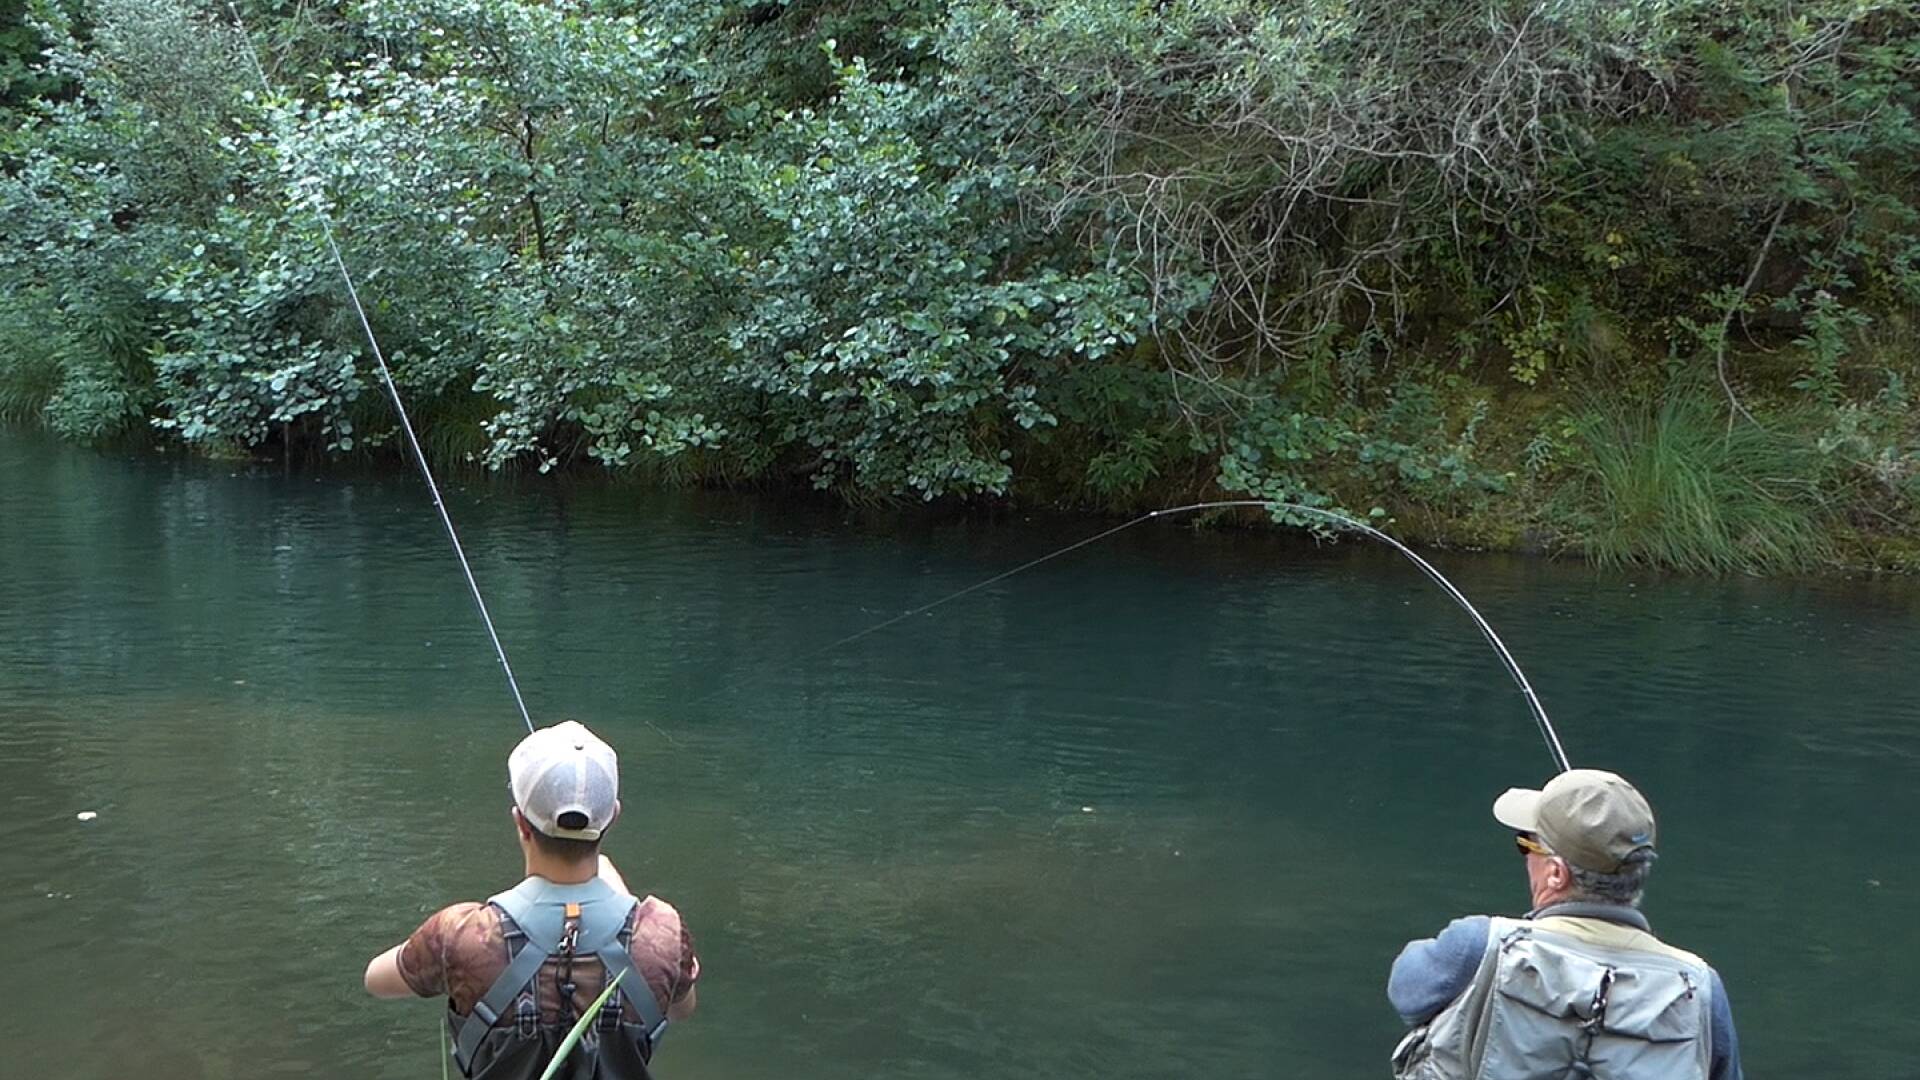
(580, 1026)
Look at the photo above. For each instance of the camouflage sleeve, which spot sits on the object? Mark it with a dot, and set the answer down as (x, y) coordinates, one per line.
(663, 950)
(689, 972)
(423, 959)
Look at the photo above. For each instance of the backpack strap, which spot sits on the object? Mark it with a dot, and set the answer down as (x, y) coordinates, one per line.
(618, 960)
(520, 971)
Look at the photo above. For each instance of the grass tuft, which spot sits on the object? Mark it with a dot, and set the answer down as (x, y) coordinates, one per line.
(1668, 485)
(26, 385)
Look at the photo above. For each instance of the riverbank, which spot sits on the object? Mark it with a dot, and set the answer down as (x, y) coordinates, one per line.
(1649, 298)
(1536, 515)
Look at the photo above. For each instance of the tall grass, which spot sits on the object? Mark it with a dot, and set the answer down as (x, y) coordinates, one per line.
(1668, 484)
(451, 426)
(30, 369)
(27, 383)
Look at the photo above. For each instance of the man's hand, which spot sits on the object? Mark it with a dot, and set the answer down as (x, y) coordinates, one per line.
(612, 877)
(383, 975)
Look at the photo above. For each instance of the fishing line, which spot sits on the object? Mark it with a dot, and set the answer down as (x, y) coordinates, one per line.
(1539, 712)
(393, 393)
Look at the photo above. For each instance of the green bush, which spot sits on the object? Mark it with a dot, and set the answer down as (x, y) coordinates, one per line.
(1359, 253)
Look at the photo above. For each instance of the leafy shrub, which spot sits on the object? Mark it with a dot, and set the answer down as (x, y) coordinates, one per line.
(1353, 253)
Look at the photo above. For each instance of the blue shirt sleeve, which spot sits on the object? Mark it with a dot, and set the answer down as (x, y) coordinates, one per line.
(1431, 972)
(1726, 1044)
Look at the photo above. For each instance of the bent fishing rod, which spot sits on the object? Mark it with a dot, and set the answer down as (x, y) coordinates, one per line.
(418, 455)
(1539, 711)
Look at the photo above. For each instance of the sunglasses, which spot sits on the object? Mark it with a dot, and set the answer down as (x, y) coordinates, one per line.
(1527, 845)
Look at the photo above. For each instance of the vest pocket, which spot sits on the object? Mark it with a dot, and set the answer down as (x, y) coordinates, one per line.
(1658, 1006)
(1562, 985)
(1411, 1052)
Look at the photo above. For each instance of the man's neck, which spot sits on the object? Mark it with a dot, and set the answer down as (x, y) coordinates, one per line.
(561, 872)
(1547, 897)
(1624, 914)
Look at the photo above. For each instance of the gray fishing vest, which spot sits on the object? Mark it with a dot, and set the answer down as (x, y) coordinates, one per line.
(504, 1038)
(1570, 995)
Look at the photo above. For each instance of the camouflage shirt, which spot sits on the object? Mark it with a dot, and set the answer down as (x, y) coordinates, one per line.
(462, 948)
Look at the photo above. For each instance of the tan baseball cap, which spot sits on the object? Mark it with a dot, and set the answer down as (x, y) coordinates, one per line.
(1592, 818)
(565, 781)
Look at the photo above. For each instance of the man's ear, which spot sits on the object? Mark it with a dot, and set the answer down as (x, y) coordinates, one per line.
(520, 823)
(616, 814)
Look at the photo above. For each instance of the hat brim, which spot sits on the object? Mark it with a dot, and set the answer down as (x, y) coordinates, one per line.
(1518, 808)
(573, 834)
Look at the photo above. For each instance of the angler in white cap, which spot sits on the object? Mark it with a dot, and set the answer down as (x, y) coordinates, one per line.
(520, 969)
(1580, 986)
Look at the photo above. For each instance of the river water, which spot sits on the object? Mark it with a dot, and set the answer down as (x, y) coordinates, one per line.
(1165, 807)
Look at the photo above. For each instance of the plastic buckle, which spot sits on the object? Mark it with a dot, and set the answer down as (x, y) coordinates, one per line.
(526, 1017)
(612, 1013)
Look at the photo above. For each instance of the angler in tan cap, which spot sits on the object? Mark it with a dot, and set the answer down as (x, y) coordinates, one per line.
(1580, 986)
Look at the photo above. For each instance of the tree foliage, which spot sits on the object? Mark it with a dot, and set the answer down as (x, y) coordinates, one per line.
(1346, 252)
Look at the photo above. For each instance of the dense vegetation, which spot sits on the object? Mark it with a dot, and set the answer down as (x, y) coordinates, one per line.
(1632, 277)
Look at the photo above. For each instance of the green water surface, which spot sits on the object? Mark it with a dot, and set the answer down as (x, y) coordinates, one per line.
(1164, 808)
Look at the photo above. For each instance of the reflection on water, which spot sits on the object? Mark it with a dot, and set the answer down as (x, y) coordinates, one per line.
(1165, 808)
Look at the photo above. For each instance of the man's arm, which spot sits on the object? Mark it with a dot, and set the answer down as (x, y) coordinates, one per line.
(416, 966)
(1726, 1044)
(383, 976)
(612, 877)
(1429, 973)
(682, 1000)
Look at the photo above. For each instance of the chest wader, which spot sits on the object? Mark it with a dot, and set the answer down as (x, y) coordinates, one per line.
(504, 1039)
(1569, 998)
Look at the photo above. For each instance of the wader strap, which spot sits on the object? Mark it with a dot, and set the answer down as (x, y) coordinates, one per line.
(617, 958)
(521, 970)
(530, 908)
(539, 907)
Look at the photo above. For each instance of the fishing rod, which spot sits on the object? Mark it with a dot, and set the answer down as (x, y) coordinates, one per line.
(393, 393)
(1539, 711)
(419, 456)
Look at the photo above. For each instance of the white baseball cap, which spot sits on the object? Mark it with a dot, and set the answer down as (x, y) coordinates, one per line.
(565, 781)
